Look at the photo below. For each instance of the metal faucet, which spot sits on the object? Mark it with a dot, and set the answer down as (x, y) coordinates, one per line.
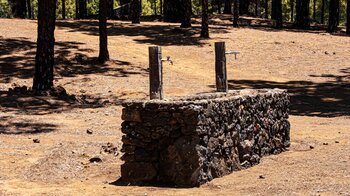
(168, 59)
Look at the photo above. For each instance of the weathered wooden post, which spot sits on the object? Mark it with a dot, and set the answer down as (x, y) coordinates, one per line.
(220, 67)
(155, 72)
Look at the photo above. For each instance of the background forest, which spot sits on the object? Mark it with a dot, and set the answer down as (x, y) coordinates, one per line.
(152, 7)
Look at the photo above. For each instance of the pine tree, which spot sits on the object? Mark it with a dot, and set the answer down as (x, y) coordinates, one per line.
(44, 59)
(205, 20)
(103, 11)
(333, 21)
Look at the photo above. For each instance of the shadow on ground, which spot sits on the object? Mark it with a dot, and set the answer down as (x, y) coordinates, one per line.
(161, 35)
(326, 99)
(17, 59)
(24, 127)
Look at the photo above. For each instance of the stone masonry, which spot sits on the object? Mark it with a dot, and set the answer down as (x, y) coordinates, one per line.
(191, 140)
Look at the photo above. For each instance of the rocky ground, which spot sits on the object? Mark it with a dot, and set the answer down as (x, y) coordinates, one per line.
(51, 145)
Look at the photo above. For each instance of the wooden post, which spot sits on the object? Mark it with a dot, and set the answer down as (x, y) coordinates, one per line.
(156, 72)
(220, 67)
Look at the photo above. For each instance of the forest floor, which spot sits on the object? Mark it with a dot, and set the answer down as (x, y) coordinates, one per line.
(46, 143)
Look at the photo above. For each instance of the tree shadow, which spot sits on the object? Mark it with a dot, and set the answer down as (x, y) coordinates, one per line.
(160, 34)
(326, 99)
(263, 24)
(22, 127)
(17, 59)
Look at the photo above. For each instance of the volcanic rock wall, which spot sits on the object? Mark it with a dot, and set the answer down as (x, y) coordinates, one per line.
(189, 141)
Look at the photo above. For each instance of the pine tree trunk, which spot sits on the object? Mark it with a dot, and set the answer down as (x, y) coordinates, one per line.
(257, 8)
(348, 17)
(302, 19)
(29, 9)
(135, 11)
(77, 16)
(276, 14)
(314, 11)
(228, 7)
(63, 9)
(266, 9)
(292, 10)
(235, 13)
(322, 11)
(333, 22)
(18, 8)
(161, 7)
(244, 7)
(44, 59)
(187, 12)
(82, 9)
(219, 3)
(205, 20)
(104, 55)
(172, 11)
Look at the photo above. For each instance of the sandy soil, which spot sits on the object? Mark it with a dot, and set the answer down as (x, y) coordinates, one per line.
(313, 66)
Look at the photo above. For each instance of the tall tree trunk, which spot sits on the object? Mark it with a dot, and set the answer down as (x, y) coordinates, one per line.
(257, 8)
(82, 9)
(276, 14)
(187, 12)
(111, 9)
(266, 8)
(228, 7)
(103, 11)
(219, 3)
(348, 17)
(172, 11)
(205, 20)
(77, 16)
(18, 8)
(63, 9)
(244, 7)
(314, 10)
(235, 13)
(291, 10)
(322, 11)
(302, 19)
(135, 11)
(29, 9)
(44, 59)
(161, 7)
(333, 22)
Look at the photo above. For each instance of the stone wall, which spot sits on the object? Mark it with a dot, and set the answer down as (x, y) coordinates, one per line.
(189, 141)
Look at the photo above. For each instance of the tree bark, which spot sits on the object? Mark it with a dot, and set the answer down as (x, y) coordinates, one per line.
(103, 11)
(44, 59)
(334, 9)
(322, 11)
(63, 9)
(292, 10)
(228, 7)
(267, 9)
(135, 11)
(77, 9)
(302, 19)
(257, 8)
(18, 8)
(219, 4)
(172, 11)
(276, 14)
(314, 10)
(29, 9)
(82, 9)
(187, 13)
(161, 7)
(205, 20)
(348, 17)
(235, 13)
(244, 7)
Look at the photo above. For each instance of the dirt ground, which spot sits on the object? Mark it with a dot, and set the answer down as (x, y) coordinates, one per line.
(313, 66)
